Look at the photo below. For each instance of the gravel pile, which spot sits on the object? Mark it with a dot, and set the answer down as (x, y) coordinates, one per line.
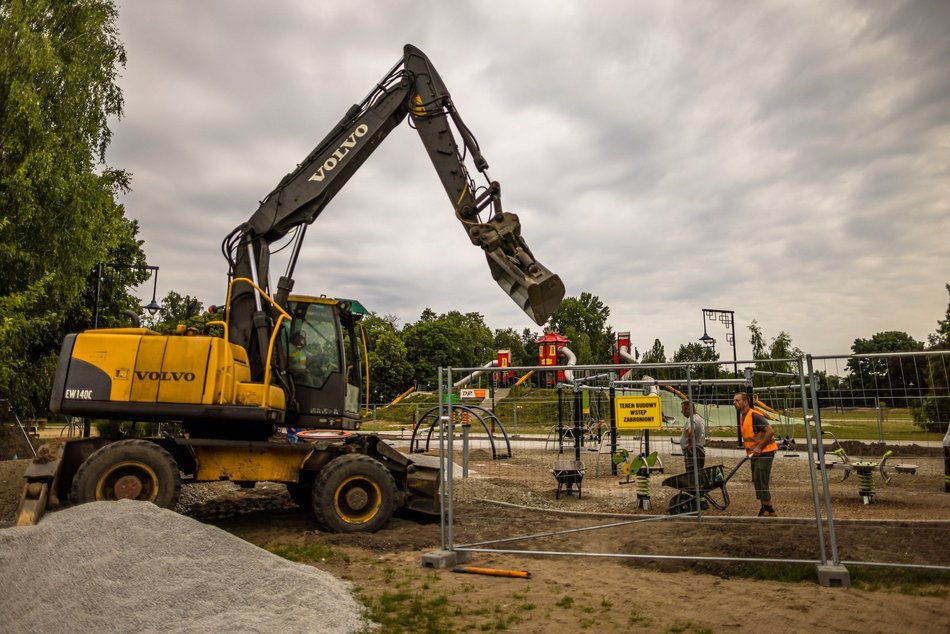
(133, 567)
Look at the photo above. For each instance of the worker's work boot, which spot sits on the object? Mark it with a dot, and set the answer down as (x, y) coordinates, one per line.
(767, 511)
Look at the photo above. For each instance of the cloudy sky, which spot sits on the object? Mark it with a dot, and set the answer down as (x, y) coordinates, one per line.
(789, 161)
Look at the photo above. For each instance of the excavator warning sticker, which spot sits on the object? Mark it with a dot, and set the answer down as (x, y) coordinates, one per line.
(638, 412)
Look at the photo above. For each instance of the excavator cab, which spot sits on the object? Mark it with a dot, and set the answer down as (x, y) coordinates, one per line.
(323, 347)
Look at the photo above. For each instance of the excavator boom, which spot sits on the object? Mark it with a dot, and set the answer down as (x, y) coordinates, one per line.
(411, 89)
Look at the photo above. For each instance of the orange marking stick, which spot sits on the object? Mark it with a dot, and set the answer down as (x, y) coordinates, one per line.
(521, 574)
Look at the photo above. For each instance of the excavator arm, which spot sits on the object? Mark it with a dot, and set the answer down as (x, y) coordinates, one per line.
(411, 89)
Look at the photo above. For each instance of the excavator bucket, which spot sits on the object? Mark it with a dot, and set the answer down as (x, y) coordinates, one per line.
(529, 283)
(538, 295)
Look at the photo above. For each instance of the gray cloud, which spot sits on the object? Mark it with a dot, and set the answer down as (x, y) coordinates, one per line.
(785, 160)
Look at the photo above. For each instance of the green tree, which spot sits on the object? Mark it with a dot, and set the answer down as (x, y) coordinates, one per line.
(509, 339)
(389, 371)
(529, 346)
(451, 340)
(58, 214)
(176, 310)
(698, 352)
(583, 320)
(757, 340)
(779, 348)
(933, 410)
(940, 340)
(656, 354)
(884, 378)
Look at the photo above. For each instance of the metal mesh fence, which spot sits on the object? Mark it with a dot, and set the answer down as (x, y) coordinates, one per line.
(595, 481)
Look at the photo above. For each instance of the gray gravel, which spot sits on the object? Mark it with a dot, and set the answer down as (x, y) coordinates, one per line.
(133, 567)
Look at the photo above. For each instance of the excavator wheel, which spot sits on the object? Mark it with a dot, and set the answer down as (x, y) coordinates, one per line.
(128, 469)
(354, 493)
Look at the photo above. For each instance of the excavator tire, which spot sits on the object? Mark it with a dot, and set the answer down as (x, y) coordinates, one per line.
(128, 469)
(354, 493)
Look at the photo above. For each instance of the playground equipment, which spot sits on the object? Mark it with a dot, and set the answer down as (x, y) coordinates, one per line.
(466, 379)
(593, 428)
(640, 468)
(622, 353)
(550, 347)
(399, 398)
(696, 493)
(501, 374)
(865, 469)
(465, 413)
(524, 378)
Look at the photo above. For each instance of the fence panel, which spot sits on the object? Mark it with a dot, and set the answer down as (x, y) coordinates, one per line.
(577, 489)
(573, 484)
(881, 419)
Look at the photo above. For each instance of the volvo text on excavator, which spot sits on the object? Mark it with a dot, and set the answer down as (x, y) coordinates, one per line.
(280, 359)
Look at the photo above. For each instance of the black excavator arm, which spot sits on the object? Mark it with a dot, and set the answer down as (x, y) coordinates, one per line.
(411, 89)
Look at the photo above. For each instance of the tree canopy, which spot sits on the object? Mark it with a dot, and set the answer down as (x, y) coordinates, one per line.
(449, 340)
(583, 320)
(59, 218)
(932, 411)
(390, 372)
(656, 354)
(940, 339)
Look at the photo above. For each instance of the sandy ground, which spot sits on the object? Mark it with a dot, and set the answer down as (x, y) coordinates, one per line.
(515, 497)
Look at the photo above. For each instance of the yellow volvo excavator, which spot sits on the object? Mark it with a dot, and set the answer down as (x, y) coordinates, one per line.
(278, 358)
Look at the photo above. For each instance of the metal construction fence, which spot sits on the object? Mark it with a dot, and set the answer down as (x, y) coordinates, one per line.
(860, 448)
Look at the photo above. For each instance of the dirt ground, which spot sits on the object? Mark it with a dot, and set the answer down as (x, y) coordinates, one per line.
(513, 498)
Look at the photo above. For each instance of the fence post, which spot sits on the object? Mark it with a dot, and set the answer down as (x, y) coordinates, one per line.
(880, 418)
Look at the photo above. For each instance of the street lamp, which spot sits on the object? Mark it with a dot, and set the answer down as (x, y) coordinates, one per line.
(727, 319)
(152, 307)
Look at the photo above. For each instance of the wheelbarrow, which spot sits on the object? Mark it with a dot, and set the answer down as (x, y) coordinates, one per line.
(692, 496)
(568, 473)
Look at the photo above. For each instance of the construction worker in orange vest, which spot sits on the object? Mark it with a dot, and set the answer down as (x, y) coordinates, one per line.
(758, 437)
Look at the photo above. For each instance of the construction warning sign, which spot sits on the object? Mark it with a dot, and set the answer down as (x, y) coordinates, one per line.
(638, 412)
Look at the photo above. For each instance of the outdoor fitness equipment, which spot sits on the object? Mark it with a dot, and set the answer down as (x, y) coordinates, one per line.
(865, 469)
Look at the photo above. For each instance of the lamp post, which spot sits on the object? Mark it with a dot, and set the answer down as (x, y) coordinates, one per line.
(727, 319)
(152, 307)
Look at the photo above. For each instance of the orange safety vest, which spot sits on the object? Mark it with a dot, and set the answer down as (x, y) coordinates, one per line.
(749, 438)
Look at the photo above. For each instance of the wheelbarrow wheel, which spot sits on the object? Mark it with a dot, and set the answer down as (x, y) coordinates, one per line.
(686, 503)
(679, 503)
